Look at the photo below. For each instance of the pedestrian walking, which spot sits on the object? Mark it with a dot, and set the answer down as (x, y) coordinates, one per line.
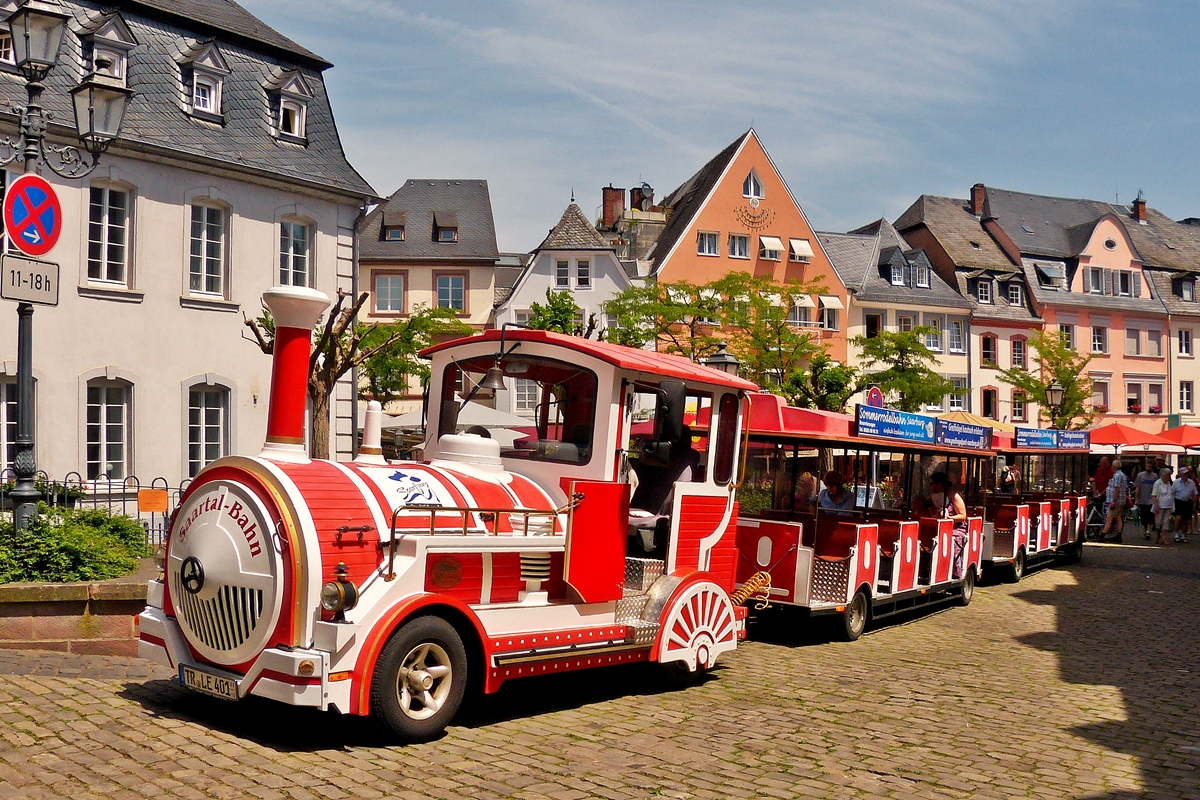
(1116, 498)
(1185, 503)
(1143, 486)
(1164, 505)
(1103, 475)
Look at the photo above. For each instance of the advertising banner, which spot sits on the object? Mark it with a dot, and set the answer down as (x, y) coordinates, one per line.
(963, 434)
(888, 424)
(1037, 437)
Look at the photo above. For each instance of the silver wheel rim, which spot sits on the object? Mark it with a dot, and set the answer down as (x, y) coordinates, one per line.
(968, 585)
(424, 682)
(858, 615)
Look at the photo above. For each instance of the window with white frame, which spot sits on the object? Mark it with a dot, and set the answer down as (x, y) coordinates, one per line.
(526, 395)
(958, 399)
(583, 273)
(934, 406)
(1185, 396)
(294, 246)
(905, 322)
(389, 292)
(522, 317)
(828, 318)
(108, 412)
(954, 335)
(767, 250)
(1095, 281)
(292, 114)
(1067, 334)
(799, 315)
(452, 292)
(933, 337)
(1154, 398)
(1185, 342)
(207, 250)
(921, 272)
(1133, 398)
(739, 246)
(989, 346)
(6, 46)
(108, 61)
(1100, 395)
(1016, 294)
(1154, 343)
(1124, 283)
(752, 186)
(108, 229)
(208, 426)
(983, 290)
(897, 275)
(1018, 354)
(706, 243)
(1099, 339)
(206, 94)
(1187, 291)
(562, 274)
(1019, 407)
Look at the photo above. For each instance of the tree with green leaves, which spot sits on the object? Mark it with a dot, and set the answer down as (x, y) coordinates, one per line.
(1054, 362)
(680, 318)
(763, 325)
(385, 353)
(562, 314)
(907, 377)
(824, 384)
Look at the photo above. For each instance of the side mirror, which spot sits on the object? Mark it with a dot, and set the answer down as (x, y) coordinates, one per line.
(668, 414)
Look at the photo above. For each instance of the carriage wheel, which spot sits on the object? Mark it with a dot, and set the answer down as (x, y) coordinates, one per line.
(967, 590)
(420, 679)
(1017, 568)
(854, 618)
(699, 626)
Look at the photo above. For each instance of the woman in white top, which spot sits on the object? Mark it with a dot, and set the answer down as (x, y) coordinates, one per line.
(1163, 497)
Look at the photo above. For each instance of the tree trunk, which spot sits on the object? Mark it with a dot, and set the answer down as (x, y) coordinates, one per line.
(318, 443)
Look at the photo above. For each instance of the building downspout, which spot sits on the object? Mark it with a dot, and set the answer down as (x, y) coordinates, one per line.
(362, 214)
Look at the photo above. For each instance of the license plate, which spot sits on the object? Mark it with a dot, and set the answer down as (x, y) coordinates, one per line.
(208, 683)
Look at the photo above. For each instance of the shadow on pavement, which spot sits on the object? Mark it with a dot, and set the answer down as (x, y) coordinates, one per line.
(288, 728)
(1131, 621)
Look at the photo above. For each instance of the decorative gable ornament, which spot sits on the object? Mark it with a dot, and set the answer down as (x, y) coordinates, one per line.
(107, 40)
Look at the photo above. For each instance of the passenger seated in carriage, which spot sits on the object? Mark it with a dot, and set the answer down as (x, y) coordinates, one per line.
(654, 493)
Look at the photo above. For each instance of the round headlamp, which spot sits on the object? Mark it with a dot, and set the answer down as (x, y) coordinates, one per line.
(160, 558)
(340, 594)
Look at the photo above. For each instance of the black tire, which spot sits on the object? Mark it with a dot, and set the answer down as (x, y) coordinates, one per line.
(854, 618)
(1075, 554)
(421, 644)
(1016, 568)
(676, 675)
(967, 590)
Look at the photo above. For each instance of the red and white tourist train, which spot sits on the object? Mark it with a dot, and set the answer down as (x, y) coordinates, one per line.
(386, 588)
(884, 547)
(1042, 516)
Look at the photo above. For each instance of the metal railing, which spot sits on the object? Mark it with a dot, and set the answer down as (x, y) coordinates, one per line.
(115, 495)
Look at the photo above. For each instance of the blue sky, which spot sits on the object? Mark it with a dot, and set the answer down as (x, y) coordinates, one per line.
(863, 106)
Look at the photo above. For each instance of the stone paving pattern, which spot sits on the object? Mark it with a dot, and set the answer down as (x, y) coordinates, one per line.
(1080, 682)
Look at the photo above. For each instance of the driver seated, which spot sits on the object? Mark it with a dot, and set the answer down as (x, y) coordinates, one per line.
(650, 506)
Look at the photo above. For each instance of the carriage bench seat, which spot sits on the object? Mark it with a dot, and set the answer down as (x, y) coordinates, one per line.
(1004, 517)
(889, 536)
(835, 540)
(927, 533)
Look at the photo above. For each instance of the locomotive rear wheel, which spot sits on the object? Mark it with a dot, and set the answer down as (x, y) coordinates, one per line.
(854, 618)
(420, 679)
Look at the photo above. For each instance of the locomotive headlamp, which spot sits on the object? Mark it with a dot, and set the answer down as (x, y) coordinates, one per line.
(160, 559)
(339, 595)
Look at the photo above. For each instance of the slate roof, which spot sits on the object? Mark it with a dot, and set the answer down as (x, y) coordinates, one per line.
(958, 231)
(508, 269)
(157, 119)
(864, 259)
(574, 232)
(420, 200)
(1093, 302)
(1164, 286)
(686, 200)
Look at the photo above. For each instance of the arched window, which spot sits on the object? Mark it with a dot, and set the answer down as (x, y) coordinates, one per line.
(752, 186)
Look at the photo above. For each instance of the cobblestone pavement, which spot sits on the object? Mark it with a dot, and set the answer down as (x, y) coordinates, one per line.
(1079, 682)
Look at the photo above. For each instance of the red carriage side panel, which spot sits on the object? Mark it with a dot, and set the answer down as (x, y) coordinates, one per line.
(865, 563)
(907, 553)
(700, 516)
(944, 551)
(974, 544)
(1080, 517)
(594, 565)
(1065, 522)
(1023, 529)
(1045, 520)
(722, 559)
(769, 546)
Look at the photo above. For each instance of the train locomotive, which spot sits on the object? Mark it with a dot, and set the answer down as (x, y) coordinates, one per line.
(392, 588)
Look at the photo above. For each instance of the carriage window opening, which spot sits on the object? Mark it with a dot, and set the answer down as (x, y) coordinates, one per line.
(562, 400)
(726, 439)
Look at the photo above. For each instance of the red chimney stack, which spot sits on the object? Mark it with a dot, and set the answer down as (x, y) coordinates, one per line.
(1139, 209)
(295, 311)
(977, 195)
(614, 205)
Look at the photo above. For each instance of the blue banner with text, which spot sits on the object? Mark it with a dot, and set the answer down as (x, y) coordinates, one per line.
(889, 424)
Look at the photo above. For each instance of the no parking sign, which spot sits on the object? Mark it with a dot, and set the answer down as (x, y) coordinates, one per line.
(32, 215)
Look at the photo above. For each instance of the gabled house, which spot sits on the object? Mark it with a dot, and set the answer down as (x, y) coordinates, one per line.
(893, 287)
(737, 214)
(573, 258)
(432, 243)
(965, 255)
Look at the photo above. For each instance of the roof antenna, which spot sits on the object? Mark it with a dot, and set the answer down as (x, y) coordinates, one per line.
(572, 194)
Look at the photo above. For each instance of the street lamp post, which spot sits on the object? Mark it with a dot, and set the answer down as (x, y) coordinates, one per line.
(1054, 399)
(723, 360)
(99, 102)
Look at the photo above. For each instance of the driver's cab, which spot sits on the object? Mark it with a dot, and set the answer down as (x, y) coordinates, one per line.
(597, 412)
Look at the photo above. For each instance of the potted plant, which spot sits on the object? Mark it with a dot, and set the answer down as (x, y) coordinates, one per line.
(1135, 408)
(1100, 409)
(1155, 409)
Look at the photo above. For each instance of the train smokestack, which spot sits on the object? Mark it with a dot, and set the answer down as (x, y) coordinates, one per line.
(295, 311)
(371, 449)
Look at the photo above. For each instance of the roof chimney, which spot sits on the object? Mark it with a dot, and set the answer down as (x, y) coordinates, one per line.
(977, 195)
(614, 205)
(1139, 208)
(295, 311)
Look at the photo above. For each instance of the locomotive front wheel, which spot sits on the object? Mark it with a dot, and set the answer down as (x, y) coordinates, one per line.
(420, 679)
(967, 590)
(854, 618)
(1017, 568)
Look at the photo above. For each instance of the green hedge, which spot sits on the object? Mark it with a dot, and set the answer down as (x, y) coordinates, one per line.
(71, 545)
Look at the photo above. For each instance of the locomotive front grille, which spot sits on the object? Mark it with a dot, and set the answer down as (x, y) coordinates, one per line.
(224, 621)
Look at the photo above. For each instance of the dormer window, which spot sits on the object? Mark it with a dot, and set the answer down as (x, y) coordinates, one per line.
(290, 96)
(110, 62)
(897, 274)
(983, 290)
(1016, 294)
(203, 74)
(393, 233)
(752, 186)
(107, 41)
(6, 47)
(447, 234)
(921, 272)
(1187, 291)
(205, 92)
(445, 226)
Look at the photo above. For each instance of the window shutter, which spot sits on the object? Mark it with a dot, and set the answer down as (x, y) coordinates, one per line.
(1108, 281)
(1136, 279)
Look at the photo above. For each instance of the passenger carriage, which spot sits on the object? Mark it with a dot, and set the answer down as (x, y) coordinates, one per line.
(385, 588)
(881, 557)
(1046, 517)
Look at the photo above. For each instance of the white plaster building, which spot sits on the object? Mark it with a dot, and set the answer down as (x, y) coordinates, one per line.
(228, 177)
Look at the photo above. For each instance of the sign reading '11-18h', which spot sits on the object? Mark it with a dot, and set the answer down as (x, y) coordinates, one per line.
(33, 222)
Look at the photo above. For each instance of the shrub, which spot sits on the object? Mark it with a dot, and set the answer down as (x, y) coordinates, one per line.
(71, 545)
